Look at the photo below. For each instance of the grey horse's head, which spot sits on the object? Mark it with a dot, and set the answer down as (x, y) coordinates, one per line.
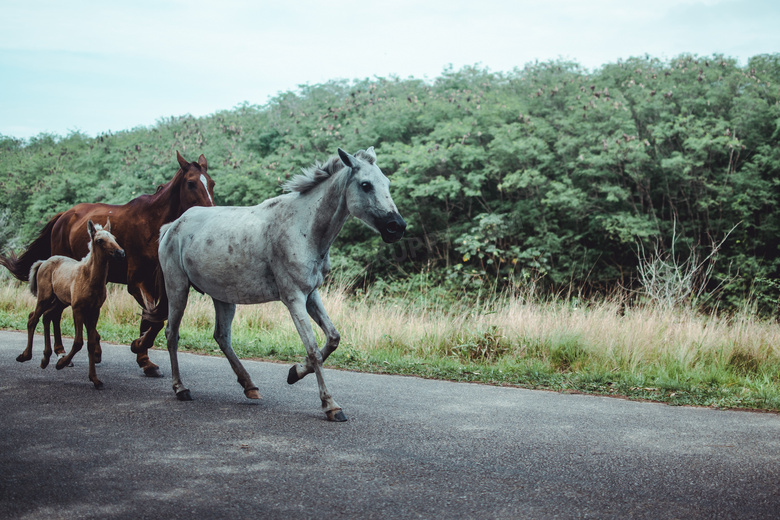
(368, 195)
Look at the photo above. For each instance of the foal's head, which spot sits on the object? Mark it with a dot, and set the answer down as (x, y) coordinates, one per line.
(196, 188)
(101, 239)
(368, 195)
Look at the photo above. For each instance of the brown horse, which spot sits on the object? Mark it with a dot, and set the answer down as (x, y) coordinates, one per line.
(136, 225)
(60, 282)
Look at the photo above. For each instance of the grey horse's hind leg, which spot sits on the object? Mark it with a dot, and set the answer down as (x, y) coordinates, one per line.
(177, 302)
(297, 308)
(222, 325)
(317, 311)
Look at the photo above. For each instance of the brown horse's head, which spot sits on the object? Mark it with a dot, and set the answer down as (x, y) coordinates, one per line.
(195, 186)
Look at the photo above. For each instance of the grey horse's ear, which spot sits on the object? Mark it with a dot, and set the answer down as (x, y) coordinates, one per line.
(369, 154)
(347, 159)
(90, 229)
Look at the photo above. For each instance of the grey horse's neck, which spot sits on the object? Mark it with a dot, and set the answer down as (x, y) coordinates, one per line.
(331, 212)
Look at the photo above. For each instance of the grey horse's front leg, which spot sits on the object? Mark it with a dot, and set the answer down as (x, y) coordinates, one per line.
(222, 325)
(300, 317)
(317, 311)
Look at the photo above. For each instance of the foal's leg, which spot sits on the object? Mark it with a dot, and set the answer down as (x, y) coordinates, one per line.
(78, 340)
(317, 311)
(222, 324)
(32, 322)
(297, 308)
(93, 340)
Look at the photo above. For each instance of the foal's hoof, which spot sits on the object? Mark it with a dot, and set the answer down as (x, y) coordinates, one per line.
(292, 376)
(252, 393)
(44, 362)
(184, 395)
(21, 358)
(62, 363)
(152, 371)
(336, 415)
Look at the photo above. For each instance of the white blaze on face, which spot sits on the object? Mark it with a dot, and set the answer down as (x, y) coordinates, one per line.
(206, 185)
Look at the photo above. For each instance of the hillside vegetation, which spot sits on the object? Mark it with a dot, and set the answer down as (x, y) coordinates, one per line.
(550, 175)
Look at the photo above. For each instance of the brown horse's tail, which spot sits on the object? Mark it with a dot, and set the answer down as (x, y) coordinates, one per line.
(159, 312)
(40, 249)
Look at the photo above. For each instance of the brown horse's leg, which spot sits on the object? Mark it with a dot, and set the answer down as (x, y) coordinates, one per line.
(93, 339)
(149, 329)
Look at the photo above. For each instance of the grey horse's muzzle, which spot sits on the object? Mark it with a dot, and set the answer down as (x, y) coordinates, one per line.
(392, 229)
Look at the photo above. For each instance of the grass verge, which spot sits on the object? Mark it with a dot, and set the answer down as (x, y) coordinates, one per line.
(678, 357)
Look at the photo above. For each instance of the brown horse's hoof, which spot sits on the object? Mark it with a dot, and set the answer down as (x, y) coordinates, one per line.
(336, 415)
(252, 393)
(98, 385)
(98, 357)
(152, 371)
(62, 363)
(44, 362)
(21, 358)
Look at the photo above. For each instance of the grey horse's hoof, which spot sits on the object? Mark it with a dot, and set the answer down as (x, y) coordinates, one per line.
(184, 395)
(336, 415)
(292, 376)
(152, 372)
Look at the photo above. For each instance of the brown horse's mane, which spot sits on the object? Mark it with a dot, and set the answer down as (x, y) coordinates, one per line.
(169, 183)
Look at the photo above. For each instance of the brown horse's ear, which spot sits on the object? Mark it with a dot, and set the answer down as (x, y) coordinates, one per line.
(202, 162)
(182, 161)
(90, 229)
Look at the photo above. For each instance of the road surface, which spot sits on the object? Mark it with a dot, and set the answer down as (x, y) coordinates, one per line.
(412, 448)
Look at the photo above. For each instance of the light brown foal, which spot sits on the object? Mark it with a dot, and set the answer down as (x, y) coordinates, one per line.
(60, 282)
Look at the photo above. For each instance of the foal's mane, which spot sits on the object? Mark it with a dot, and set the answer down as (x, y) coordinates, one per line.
(319, 172)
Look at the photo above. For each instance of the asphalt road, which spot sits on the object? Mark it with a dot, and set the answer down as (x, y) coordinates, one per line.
(412, 448)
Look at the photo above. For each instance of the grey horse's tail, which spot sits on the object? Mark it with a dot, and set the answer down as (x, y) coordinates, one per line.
(159, 312)
(34, 277)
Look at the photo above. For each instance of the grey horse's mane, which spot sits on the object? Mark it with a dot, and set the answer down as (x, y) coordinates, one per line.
(319, 172)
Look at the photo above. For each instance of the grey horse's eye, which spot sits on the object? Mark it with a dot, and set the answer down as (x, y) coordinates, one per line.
(366, 186)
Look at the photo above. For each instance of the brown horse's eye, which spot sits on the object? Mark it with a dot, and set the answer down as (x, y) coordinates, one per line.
(191, 185)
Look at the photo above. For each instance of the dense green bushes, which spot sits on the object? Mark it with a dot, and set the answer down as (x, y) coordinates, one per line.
(548, 173)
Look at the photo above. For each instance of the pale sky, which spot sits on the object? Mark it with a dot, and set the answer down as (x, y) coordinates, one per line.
(112, 65)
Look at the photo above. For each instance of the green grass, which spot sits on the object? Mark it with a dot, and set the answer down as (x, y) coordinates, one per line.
(678, 357)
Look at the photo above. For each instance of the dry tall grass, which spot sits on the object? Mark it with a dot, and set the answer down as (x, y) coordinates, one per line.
(606, 333)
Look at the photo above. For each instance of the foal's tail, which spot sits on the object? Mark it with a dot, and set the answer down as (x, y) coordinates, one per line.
(40, 249)
(34, 277)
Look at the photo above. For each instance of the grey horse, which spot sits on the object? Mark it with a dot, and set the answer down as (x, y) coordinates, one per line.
(275, 251)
